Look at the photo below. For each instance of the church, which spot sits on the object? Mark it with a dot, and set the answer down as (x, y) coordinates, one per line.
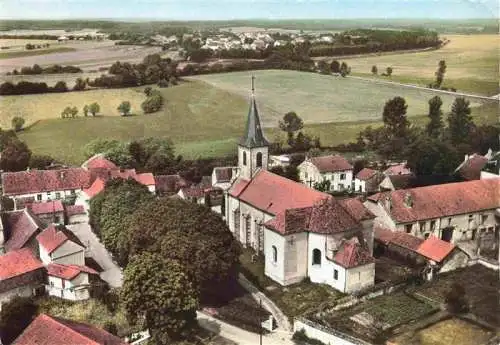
(300, 231)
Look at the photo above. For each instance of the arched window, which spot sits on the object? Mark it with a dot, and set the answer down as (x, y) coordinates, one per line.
(275, 254)
(259, 159)
(244, 158)
(316, 257)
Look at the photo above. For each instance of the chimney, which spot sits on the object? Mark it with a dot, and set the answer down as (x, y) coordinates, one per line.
(388, 203)
(62, 174)
(408, 200)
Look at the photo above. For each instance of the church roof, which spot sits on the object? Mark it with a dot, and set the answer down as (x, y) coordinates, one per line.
(272, 193)
(253, 137)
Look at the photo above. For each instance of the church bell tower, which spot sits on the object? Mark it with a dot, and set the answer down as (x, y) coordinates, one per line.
(253, 149)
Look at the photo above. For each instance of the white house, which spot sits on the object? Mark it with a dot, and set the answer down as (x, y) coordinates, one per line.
(463, 213)
(333, 168)
(301, 232)
(367, 181)
(59, 245)
(69, 282)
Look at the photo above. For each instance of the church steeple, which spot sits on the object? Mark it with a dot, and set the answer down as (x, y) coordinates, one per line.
(253, 149)
(253, 137)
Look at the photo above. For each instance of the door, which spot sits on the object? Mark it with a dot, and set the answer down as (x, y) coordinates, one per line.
(447, 234)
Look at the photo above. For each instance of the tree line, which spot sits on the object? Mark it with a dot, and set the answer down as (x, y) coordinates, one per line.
(54, 69)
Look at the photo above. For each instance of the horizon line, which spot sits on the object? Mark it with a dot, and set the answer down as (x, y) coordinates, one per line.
(245, 19)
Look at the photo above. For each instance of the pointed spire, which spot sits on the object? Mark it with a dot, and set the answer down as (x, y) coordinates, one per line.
(254, 137)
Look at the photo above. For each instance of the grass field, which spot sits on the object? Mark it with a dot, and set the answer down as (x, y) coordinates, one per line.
(452, 331)
(320, 98)
(21, 42)
(49, 106)
(472, 64)
(34, 52)
(203, 121)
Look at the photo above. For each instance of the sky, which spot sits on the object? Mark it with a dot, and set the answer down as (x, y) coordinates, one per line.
(247, 9)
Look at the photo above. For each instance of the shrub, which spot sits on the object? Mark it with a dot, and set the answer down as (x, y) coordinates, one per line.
(17, 123)
(152, 104)
(300, 337)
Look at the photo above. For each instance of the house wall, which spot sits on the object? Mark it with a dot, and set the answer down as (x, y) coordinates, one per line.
(57, 217)
(46, 196)
(44, 256)
(78, 218)
(359, 186)
(324, 273)
(21, 291)
(274, 270)
(309, 174)
(455, 260)
(69, 253)
(358, 278)
(22, 285)
(386, 184)
(69, 289)
(327, 336)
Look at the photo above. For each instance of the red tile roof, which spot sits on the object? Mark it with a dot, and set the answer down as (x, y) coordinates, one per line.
(47, 207)
(169, 183)
(443, 200)
(21, 226)
(356, 209)
(398, 238)
(331, 163)
(399, 169)
(96, 187)
(47, 330)
(99, 162)
(37, 181)
(272, 193)
(68, 272)
(435, 249)
(471, 169)
(18, 262)
(366, 174)
(146, 179)
(223, 174)
(327, 216)
(54, 236)
(352, 254)
(73, 210)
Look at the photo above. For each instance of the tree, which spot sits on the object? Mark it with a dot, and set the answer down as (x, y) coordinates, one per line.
(388, 70)
(157, 292)
(94, 108)
(124, 108)
(374, 69)
(40, 162)
(435, 124)
(147, 91)
(432, 156)
(152, 104)
(456, 300)
(323, 186)
(15, 316)
(73, 112)
(99, 146)
(460, 123)
(191, 234)
(66, 113)
(80, 84)
(440, 73)
(17, 123)
(335, 66)
(344, 69)
(85, 110)
(324, 67)
(60, 86)
(290, 124)
(290, 172)
(15, 156)
(394, 116)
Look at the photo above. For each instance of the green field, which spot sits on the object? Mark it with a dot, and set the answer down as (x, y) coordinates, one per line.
(202, 120)
(321, 98)
(23, 53)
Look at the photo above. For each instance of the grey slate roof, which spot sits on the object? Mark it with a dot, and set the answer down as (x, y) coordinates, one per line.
(253, 137)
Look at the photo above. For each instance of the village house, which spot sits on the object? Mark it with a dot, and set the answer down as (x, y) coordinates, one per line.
(48, 330)
(334, 168)
(471, 167)
(301, 232)
(223, 177)
(431, 255)
(19, 230)
(397, 169)
(167, 185)
(71, 282)
(75, 214)
(462, 213)
(21, 274)
(367, 181)
(49, 211)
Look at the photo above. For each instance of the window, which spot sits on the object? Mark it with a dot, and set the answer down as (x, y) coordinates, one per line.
(259, 159)
(449, 221)
(57, 219)
(58, 195)
(408, 228)
(316, 257)
(484, 218)
(39, 197)
(342, 176)
(433, 225)
(275, 254)
(422, 226)
(426, 236)
(335, 274)
(244, 158)
(73, 192)
(305, 175)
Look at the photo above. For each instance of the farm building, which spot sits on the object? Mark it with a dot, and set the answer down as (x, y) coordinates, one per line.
(367, 181)
(335, 169)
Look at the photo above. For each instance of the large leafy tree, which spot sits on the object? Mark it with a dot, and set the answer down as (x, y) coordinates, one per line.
(15, 156)
(435, 124)
(15, 316)
(427, 156)
(158, 293)
(191, 234)
(440, 73)
(394, 116)
(460, 123)
(290, 124)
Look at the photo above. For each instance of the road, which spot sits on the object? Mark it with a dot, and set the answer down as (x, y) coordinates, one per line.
(112, 274)
(460, 94)
(239, 335)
